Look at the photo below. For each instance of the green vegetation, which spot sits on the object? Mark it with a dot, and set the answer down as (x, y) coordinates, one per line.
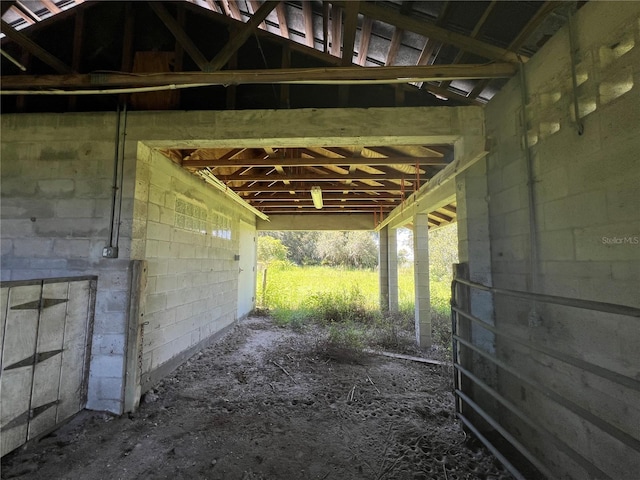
(345, 299)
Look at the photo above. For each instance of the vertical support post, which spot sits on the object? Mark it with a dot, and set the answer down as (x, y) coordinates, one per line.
(461, 326)
(421, 272)
(392, 245)
(383, 268)
(135, 328)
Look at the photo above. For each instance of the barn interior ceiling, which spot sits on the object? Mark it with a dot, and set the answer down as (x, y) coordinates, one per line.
(70, 55)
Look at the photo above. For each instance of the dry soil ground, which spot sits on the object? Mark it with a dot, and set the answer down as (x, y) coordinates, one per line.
(270, 403)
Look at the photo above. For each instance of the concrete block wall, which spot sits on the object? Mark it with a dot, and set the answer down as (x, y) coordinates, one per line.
(587, 209)
(192, 276)
(56, 185)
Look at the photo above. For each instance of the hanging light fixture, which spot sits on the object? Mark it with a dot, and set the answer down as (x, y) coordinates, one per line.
(316, 196)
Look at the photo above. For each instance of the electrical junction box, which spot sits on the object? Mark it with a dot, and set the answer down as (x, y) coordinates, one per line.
(110, 252)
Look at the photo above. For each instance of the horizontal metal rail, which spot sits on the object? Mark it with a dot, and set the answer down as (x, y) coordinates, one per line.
(508, 465)
(510, 438)
(567, 301)
(576, 362)
(594, 471)
(458, 313)
(559, 399)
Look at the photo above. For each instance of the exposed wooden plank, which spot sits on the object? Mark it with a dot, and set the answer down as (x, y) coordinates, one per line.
(324, 57)
(252, 176)
(46, 374)
(234, 9)
(4, 6)
(326, 8)
(21, 14)
(337, 75)
(429, 30)
(76, 350)
(34, 48)
(25, 9)
(349, 197)
(213, 6)
(255, 6)
(325, 188)
(232, 90)
(308, 203)
(307, 14)
(365, 38)
(78, 32)
(241, 36)
(316, 161)
(477, 29)
(396, 40)
(324, 210)
(179, 49)
(336, 31)
(281, 11)
(51, 6)
(180, 35)
(544, 10)
(350, 27)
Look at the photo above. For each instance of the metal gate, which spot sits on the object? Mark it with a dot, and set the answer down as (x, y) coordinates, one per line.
(467, 354)
(45, 334)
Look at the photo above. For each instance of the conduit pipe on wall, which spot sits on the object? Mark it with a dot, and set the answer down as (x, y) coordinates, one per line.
(534, 315)
(111, 250)
(574, 77)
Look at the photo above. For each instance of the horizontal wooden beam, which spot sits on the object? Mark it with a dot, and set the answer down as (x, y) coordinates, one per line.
(332, 75)
(251, 176)
(311, 162)
(374, 209)
(358, 197)
(309, 204)
(325, 188)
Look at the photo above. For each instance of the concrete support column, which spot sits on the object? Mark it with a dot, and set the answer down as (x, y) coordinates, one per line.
(421, 272)
(383, 268)
(393, 268)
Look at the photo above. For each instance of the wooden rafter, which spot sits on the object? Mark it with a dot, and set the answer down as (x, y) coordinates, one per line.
(255, 6)
(365, 39)
(350, 27)
(432, 31)
(180, 35)
(282, 20)
(309, 162)
(252, 176)
(349, 197)
(396, 40)
(544, 10)
(22, 14)
(35, 49)
(51, 6)
(241, 36)
(307, 13)
(306, 187)
(336, 30)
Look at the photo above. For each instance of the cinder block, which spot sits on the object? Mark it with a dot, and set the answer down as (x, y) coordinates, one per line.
(507, 200)
(109, 389)
(158, 231)
(71, 248)
(556, 245)
(579, 210)
(108, 344)
(56, 188)
(624, 204)
(106, 366)
(615, 242)
(32, 247)
(156, 302)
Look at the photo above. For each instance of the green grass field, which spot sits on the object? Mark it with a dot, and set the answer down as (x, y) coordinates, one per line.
(295, 294)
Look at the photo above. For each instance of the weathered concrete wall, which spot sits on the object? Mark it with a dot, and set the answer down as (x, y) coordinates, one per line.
(189, 234)
(587, 214)
(56, 173)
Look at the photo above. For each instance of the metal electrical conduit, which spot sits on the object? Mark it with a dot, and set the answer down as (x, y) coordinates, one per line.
(111, 251)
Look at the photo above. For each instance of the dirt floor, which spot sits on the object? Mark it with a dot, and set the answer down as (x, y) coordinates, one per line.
(271, 403)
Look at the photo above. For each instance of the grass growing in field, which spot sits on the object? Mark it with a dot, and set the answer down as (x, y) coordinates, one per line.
(348, 302)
